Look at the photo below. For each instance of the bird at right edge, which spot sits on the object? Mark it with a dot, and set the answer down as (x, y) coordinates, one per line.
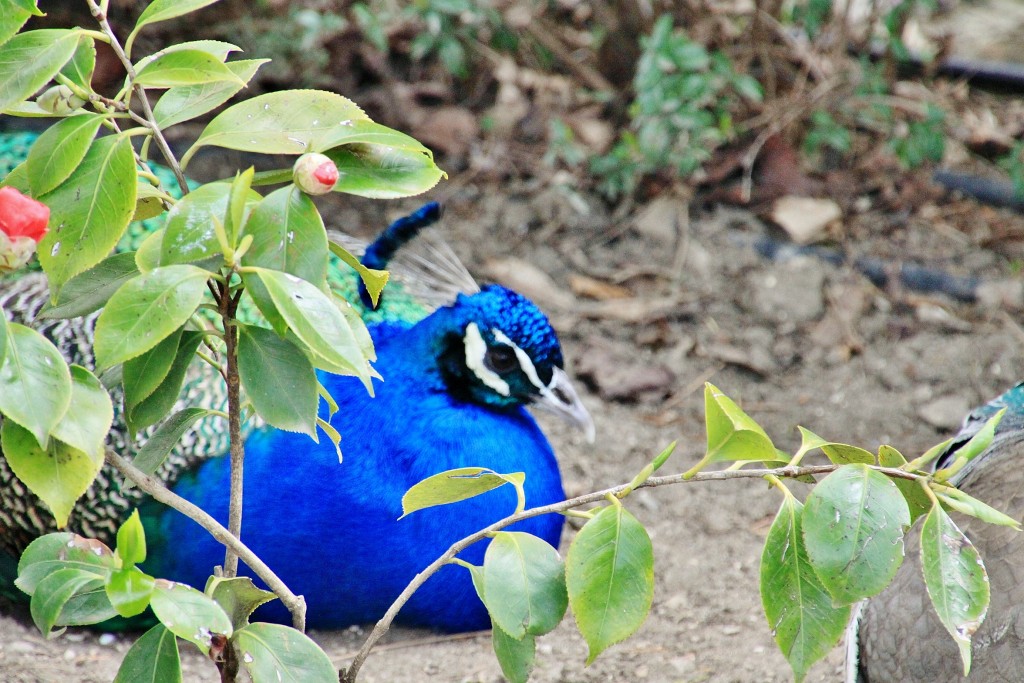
(897, 636)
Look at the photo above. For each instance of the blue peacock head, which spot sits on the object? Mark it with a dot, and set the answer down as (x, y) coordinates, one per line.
(501, 351)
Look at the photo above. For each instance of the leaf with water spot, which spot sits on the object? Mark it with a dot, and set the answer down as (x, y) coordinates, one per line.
(956, 579)
(805, 624)
(35, 382)
(89, 211)
(287, 122)
(189, 614)
(272, 653)
(146, 310)
(853, 526)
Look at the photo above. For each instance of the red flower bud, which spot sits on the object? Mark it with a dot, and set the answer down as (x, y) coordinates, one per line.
(22, 216)
(315, 173)
(22, 224)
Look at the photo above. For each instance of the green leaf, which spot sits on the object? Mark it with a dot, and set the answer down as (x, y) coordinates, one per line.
(216, 48)
(973, 448)
(147, 257)
(288, 235)
(62, 550)
(35, 383)
(234, 219)
(452, 486)
(162, 10)
(799, 610)
(54, 592)
(238, 596)
(129, 590)
(59, 150)
(918, 501)
(131, 540)
(150, 201)
(732, 434)
(524, 584)
(956, 579)
(12, 18)
(853, 525)
(152, 454)
(381, 172)
(333, 434)
(80, 68)
(90, 291)
(30, 59)
(4, 334)
(89, 605)
(189, 614)
(58, 474)
(609, 573)
(89, 211)
(844, 454)
(968, 505)
(272, 653)
(278, 379)
(185, 67)
(155, 407)
(515, 656)
(373, 279)
(189, 233)
(315, 320)
(286, 122)
(143, 374)
(145, 310)
(187, 102)
(153, 658)
(87, 421)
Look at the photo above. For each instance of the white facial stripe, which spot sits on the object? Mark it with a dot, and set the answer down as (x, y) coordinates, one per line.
(476, 349)
(524, 360)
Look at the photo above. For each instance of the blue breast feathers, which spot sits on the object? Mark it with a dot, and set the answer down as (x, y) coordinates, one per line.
(331, 531)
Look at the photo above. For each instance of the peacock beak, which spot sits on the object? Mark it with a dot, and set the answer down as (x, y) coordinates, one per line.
(560, 397)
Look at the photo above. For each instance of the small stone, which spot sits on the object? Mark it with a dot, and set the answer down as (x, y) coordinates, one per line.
(945, 413)
(107, 639)
(730, 629)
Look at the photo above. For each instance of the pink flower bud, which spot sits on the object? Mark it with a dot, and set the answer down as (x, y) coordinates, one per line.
(315, 173)
(22, 224)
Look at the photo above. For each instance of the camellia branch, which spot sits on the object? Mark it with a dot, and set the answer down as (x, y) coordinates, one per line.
(296, 604)
(228, 306)
(100, 16)
(381, 627)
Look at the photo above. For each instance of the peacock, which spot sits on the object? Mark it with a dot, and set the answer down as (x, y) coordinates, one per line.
(899, 637)
(456, 384)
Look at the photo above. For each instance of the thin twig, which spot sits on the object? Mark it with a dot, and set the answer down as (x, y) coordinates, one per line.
(161, 141)
(296, 604)
(381, 627)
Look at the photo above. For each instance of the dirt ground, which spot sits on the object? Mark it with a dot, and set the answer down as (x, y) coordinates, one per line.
(794, 341)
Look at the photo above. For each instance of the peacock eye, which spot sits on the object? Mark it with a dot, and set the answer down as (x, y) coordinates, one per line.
(500, 359)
